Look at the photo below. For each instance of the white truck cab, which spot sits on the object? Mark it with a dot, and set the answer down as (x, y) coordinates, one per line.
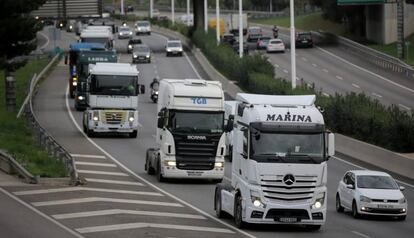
(279, 168)
(112, 99)
(102, 36)
(190, 131)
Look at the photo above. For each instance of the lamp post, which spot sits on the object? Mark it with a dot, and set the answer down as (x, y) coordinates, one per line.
(218, 22)
(173, 11)
(205, 16)
(151, 8)
(240, 28)
(292, 44)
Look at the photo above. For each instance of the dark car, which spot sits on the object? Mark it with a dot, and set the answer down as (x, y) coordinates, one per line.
(141, 53)
(132, 43)
(236, 47)
(304, 39)
(254, 33)
(228, 39)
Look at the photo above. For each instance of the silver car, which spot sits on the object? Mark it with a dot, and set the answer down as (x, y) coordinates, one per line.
(124, 32)
(141, 53)
(174, 47)
(142, 27)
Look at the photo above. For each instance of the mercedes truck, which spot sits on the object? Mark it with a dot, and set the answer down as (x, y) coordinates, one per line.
(190, 131)
(279, 167)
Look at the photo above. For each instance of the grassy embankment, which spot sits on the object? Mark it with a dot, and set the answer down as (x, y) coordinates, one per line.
(16, 137)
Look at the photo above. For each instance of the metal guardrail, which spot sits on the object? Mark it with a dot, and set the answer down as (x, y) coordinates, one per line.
(45, 140)
(10, 165)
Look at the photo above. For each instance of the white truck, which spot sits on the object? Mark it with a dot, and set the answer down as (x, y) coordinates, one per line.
(102, 36)
(234, 23)
(279, 168)
(190, 131)
(112, 99)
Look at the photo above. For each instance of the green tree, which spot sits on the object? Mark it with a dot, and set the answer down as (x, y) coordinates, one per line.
(17, 29)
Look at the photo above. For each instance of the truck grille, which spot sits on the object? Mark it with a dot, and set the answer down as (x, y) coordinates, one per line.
(114, 117)
(281, 213)
(275, 189)
(195, 152)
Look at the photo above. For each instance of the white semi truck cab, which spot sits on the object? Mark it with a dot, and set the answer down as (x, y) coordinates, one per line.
(279, 168)
(190, 131)
(112, 99)
(102, 36)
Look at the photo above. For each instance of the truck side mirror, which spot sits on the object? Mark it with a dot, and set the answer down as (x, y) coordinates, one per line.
(142, 89)
(230, 123)
(331, 144)
(66, 59)
(160, 123)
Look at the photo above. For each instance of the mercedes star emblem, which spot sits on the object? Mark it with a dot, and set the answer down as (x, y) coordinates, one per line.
(289, 179)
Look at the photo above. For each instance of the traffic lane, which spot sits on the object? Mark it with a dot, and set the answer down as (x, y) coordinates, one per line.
(18, 221)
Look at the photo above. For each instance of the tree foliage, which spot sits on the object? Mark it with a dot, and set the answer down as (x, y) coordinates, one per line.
(17, 29)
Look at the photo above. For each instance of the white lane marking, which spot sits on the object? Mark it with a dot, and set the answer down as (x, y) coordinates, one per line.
(122, 211)
(139, 124)
(102, 172)
(325, 70)
(339, 77)
(95, 164)
(88, 156)
(154, 136)
(404, 107)
(113, 182)
(360, 234)
(315, 65)
(285, 71)
(277, 66)
(192, 66)
(355, 85)
(40, 213)
(367, 71)
(76, 189)
(377, 95)
(102, 199)
(360, 167)
(75, 123)
(47, 40)
(304, 59)
(127, 226)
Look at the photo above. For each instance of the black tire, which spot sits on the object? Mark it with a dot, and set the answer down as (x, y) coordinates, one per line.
(355, 213)
(217, 202)
(338, 206)
(90, 133)
(160, 178)
(133, 134)
(150, 170)
(238, 212)
(401, 218)
(313, 227)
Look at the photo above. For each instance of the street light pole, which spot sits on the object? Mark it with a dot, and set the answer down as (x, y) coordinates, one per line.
(240, 28)
(173, 11)
(292, 44)
(151, 8)
(218, 22)
(205, 16)
(188, 12)
(122, 7)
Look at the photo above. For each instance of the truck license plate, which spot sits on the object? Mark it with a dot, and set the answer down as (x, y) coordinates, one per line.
(385, 206)
(194, 173)
(288, 219)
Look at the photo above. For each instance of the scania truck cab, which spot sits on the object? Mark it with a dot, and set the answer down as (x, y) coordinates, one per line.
(112, 97)
(190, 131)
(279, 168)
(87, 57)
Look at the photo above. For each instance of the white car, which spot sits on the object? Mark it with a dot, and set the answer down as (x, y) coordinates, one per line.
(367, 192)
(275, 45)
(142, 27)
(174, 47)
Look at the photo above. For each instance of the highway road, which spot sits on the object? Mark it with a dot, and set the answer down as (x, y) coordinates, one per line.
(185, 209)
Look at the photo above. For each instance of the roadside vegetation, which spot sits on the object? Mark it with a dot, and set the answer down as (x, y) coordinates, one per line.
(16, 137)
(391, 49)
(354, 115)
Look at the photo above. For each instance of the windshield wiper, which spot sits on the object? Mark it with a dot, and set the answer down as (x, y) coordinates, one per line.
(280, 158)
(302, 155)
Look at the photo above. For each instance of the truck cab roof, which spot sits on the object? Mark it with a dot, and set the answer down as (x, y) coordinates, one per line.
(114, 69)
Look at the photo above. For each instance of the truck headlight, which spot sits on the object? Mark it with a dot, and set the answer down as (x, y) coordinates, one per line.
(170, 163)
(95, 116)
(130, 32)
(147, 56)
(75, 83)
(131, 119)
(70, 27)
(219, 164)
(129, 46)
(319, 201)
(168, 50)
(364, 199)
(255, 197)
(135, 56)
(81, 97)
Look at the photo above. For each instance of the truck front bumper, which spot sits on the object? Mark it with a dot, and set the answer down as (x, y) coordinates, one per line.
(174, 172)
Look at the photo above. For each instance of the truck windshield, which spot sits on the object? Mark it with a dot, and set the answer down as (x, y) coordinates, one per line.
(196, 121)
(103, 41)
(287, 147)
(113, 85)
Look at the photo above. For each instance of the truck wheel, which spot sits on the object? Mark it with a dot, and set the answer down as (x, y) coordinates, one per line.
(160, 178)
(338, 206)
(217, 202)
(90, 133)
(150, 170)
(133, 134)
(238, 212)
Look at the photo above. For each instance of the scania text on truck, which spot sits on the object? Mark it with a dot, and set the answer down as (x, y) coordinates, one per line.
(85, 58)
(112, 97)
(190, 131)
(279, 168)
